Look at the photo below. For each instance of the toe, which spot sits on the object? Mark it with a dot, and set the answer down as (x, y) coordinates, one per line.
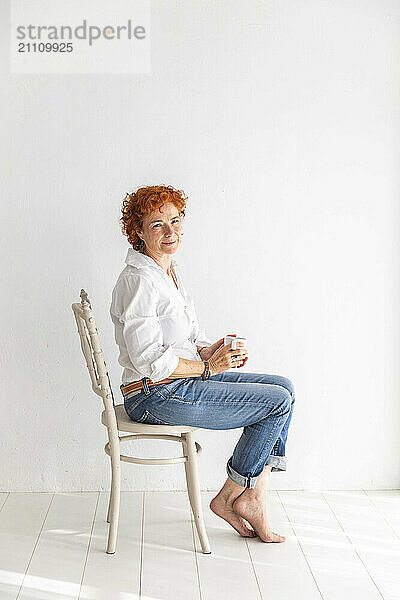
(274, 537)
(251, 533)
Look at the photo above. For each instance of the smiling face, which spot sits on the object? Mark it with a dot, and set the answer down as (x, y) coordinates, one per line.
(162, 231)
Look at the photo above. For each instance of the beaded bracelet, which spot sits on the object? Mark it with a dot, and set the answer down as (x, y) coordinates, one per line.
(206, 373)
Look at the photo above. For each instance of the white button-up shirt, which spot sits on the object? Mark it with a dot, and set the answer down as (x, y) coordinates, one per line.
(154, 322)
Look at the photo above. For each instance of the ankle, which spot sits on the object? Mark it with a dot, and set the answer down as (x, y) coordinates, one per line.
(252, 495)
(229, 499)
(229, 492)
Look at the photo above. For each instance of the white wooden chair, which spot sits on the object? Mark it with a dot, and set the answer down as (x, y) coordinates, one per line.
(116, 420)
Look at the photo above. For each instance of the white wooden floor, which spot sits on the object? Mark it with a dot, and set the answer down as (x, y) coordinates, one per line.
(339, 545)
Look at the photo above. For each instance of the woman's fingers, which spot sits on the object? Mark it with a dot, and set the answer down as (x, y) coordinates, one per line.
(225, 357)
(239, 358)
(238, 352)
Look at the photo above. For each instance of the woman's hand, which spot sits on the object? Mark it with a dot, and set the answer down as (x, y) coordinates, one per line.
(225, 358)
(208, 351)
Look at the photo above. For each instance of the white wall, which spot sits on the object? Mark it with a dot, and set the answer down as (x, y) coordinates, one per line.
(280, 120)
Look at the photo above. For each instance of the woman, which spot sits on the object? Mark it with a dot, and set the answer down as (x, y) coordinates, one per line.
(174, 375)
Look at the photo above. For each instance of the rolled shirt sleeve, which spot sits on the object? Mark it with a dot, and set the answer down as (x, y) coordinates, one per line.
(142, 331)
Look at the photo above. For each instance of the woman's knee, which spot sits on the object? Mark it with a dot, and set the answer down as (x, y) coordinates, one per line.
(283, 401)
(287, 384)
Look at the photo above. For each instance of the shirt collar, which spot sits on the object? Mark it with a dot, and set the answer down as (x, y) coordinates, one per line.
(135, 258)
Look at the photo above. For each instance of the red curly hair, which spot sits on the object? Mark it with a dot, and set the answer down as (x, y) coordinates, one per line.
(141, 203)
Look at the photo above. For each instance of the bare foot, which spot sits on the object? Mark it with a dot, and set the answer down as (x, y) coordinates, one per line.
(226, 512)
(254, 512)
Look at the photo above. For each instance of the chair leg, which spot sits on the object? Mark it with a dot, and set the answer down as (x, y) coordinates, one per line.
(193, 488)
(115, 497)
(109, 503)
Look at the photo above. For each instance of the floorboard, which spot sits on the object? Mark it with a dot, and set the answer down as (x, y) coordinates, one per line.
(339, 545)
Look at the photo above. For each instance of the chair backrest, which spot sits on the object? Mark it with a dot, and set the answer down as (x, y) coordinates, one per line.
(91, 348)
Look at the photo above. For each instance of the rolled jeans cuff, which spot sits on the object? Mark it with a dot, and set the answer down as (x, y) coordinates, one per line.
(248, 482)
(278, 463)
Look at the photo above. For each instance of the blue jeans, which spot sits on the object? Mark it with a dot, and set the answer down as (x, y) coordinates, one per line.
(262, 404)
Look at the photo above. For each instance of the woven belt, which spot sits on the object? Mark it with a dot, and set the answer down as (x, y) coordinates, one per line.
(137, 386)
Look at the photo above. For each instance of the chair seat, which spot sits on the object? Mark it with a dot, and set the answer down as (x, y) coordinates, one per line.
(126, 424)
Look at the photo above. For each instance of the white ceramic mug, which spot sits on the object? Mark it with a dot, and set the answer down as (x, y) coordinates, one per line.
(235, 339)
